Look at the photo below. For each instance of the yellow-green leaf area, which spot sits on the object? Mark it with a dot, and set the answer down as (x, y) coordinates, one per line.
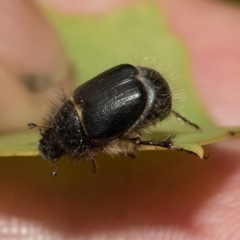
(19, 144)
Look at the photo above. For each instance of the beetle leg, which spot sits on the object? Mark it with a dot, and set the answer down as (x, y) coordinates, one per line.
(185, 120)
(54, 173)
(168, 143)
(94, 165)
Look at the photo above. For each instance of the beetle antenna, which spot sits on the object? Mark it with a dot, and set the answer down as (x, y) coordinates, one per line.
(32, 125)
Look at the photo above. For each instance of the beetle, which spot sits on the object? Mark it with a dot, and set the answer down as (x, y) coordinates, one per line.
(109, 113)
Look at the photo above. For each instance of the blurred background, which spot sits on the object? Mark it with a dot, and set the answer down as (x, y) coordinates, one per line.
(45, 45)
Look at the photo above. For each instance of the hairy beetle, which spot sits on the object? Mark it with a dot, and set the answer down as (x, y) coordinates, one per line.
(109, 113)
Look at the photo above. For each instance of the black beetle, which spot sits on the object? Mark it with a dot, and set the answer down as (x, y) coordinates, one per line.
(109, 113)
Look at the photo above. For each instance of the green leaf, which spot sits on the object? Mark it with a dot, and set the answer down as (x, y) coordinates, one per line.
(19, 144)
(138, 35)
